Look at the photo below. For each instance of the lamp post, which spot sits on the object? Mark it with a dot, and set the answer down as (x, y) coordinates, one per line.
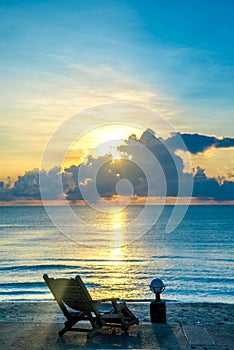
(157, 306)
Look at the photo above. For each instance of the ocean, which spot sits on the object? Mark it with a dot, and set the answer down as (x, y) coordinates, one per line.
(195, 261)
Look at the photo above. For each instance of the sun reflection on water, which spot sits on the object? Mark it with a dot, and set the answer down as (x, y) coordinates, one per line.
(117, 224)
(116, 266)
(116, 255)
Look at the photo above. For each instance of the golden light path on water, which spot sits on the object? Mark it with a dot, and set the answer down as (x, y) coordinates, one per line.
(117, 226)
(114, 264)
(113, 268)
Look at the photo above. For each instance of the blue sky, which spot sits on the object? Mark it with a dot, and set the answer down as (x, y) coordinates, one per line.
(59, 57)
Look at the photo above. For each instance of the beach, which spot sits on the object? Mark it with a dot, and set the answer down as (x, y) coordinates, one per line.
(195, 262)
(117, 174)
(34, 325)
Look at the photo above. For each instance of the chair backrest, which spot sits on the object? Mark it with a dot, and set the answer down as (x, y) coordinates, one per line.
(72, 292)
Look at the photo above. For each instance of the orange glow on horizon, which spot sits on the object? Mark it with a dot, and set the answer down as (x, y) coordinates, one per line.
(115, 203)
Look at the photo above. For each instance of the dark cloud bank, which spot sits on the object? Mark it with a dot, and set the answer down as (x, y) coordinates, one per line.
(196, 143)
(112, 171)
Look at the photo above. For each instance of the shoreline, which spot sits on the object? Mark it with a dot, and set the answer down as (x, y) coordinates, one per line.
(35, 325)
(133, 301)
(206, 313)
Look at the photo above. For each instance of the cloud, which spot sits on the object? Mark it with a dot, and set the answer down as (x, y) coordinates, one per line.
(226, 142)
(170, 163)
(50, 183)
(196, 143)
(27, 186)
(5, 192)
(104, 173)
(133, 174)
(146, 164)
(100, 176)
(210, 188)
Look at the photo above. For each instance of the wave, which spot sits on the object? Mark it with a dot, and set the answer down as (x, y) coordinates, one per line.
(38, 267)
(172, 257)
(23, 292)
(22, 284)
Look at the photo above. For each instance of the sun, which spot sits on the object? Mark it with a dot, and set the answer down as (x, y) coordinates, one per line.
(99, 142)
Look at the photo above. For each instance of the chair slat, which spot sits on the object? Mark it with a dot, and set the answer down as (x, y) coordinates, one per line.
(72, 293)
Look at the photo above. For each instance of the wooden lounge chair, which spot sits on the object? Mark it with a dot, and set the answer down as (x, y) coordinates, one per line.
(77, 305)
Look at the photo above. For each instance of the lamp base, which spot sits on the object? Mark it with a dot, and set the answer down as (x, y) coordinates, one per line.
(158, 312)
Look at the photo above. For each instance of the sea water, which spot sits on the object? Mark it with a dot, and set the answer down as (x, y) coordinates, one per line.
(195, 261)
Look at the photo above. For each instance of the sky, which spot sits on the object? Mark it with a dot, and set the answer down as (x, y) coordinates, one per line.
(59, 58)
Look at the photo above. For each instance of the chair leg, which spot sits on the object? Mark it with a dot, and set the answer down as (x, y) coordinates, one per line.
(68, 325)
(94, 331)
(128, 314)
(124, 326)
(125, 310)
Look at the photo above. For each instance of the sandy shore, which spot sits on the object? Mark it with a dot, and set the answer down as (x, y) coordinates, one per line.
(197, 326)
(177, 313)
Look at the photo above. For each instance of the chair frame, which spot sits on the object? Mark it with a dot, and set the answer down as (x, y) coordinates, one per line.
(77, 305)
